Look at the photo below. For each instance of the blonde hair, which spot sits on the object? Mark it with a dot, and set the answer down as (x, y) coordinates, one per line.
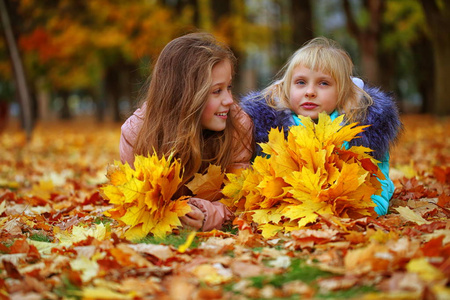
(324, 55)
(176, 97)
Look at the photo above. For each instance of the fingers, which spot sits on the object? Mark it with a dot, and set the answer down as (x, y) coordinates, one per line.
(193, 219)
(195, 213)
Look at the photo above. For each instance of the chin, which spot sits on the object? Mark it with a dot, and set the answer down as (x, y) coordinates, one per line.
(215, 128)
(313, 116)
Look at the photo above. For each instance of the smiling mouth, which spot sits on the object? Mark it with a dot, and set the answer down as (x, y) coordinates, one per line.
(223, 114)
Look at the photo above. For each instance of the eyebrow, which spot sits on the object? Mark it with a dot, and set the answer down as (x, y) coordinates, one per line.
(328, 77)
(221, 83)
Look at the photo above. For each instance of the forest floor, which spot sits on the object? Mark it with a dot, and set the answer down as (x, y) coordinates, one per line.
(56, 243)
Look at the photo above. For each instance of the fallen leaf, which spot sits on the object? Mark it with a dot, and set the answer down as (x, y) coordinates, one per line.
(409, 215)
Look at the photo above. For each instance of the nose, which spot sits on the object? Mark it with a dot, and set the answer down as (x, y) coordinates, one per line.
(228, 99)
(310, 92)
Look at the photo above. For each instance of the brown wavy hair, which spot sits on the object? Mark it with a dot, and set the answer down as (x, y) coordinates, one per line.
(179, 87)
(324, 55)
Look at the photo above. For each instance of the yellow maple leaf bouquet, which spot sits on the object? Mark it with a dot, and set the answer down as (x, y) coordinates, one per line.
(142, 197)
(306, 175)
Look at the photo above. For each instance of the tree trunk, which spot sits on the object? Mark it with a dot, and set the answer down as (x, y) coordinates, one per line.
(368, 38)
(182, 4)
(302, 26)
(65, 113)
(43, 99)
(204, 15)
(4, 115)
(388, 61)
(113, 91)
(19, 73)
(441, 106)
(438, 19)
(424, 69)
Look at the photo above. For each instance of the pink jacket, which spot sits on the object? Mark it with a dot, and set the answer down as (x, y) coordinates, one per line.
(216, 213)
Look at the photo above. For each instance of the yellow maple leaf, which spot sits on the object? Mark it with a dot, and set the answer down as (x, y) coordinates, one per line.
(280, 154)
(424, 269)
(269, 230)
(43, 189)
(80, 233)
(187, 244)
(306, 175)
(142, 196)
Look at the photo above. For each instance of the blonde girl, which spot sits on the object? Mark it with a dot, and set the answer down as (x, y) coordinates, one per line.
(318, 78)
(189, 110)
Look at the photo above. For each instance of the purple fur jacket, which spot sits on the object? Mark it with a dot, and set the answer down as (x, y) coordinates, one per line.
(383, 116)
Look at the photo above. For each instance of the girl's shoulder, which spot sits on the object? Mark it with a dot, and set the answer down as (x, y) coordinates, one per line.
(265, 116)
(384, 104)
(383, 114)
(241, 117)
(384, 120)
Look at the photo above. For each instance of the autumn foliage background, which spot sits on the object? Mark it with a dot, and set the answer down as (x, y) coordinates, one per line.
(84, 63)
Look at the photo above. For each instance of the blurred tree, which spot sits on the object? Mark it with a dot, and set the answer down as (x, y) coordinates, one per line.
(58, 50)
(204, 13)
(423, 69)
(96, 47)
(6, 85)
(367, 34)
(438, 18)
(403, 46)
(17, 65)
(302, 26)
(405, 39)
(226, 19)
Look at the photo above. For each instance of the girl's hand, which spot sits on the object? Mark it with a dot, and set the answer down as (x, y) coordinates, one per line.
(193, 219)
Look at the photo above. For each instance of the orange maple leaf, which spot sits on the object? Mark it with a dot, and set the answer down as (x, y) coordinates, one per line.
(208, 185)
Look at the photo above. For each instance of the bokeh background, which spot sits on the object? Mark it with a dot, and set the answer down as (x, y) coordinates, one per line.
(72, 59)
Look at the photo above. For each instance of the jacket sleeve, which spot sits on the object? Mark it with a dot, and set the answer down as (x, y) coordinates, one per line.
(216, 213)
(128, 137)
(382, 201)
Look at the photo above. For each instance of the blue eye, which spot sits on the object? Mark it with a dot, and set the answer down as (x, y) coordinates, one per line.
(324, 83)
(217, 91)
(300, 82)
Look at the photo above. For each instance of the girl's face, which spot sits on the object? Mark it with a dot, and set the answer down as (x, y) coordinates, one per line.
(217, 108)
(312, 92)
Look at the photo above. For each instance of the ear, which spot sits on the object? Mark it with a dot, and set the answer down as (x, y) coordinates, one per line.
(358, 82)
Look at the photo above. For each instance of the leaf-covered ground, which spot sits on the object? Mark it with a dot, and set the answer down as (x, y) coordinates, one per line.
(57, 244)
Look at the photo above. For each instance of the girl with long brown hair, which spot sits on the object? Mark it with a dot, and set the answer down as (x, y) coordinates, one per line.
(189, 111)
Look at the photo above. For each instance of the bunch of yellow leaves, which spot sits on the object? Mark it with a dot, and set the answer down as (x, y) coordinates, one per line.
(142, 196)
(306, 175)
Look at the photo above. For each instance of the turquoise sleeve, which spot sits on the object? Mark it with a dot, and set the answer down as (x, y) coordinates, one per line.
(382, 201)
(387, 186)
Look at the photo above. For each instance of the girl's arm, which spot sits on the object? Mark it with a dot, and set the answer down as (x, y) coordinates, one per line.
(216, 214)
(382, 201)
(128, 136)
